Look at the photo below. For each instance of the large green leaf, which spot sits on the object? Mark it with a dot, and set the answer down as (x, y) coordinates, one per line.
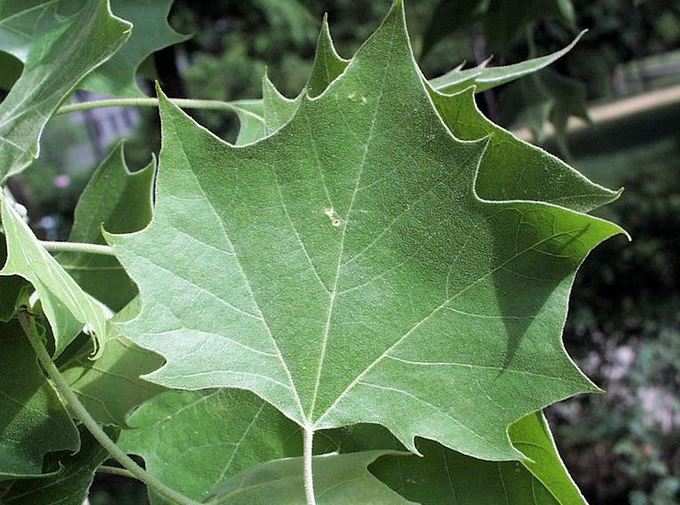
(70, 486)
(345, 264)
(338, 480)
(118, 201)
(110, 387)
(59, 57)
(33, 421)
(150, 33)
(67, 307)
(193, 441)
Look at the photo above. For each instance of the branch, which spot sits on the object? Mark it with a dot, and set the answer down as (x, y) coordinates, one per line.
(81, 413)
(78, 247)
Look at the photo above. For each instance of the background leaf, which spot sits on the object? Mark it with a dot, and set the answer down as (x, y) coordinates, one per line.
(111, 387)
(70, 486)
(338, 479)
(194, 440)
(33, 421)
(118, 201)
(150, 33)
(55, 63)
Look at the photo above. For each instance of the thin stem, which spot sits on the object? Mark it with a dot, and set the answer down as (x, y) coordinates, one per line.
(78, 247)
(80, 412)
(114, 470)
(184, 103)
(308, 453)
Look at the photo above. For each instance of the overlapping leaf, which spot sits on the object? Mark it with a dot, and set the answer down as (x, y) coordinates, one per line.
(24, 21)
(120, 202)
(111, 387)
(339, 479)
(33, 421)
(60, 55)
(193, 441)
(150, 33)
(346, 263)
(69, 486)
(67, 307)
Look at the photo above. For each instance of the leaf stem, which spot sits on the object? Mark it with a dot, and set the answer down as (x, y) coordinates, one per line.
(308, 458)
(114, 470)
(81, 413)
(183, 103)
(78, 247)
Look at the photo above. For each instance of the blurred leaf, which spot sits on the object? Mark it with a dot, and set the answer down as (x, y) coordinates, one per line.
(506, 20)
(546, 96)
(450, 16)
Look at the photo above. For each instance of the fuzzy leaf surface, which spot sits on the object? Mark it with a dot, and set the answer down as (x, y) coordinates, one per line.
(33, 421)
(345, 264)
(62, 51)
(67, 307)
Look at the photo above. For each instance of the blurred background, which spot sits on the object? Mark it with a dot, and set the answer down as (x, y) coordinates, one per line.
(611, 107)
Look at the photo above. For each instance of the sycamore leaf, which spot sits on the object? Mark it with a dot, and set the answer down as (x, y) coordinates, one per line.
(33, 421)
(70, 486)
(118, 201)
(532, 436)
(338, 479)
(67, 307)
(58, 59)
(150, 33)
(345, 264)
(485, 77)
(195, 440)
(110, 387)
